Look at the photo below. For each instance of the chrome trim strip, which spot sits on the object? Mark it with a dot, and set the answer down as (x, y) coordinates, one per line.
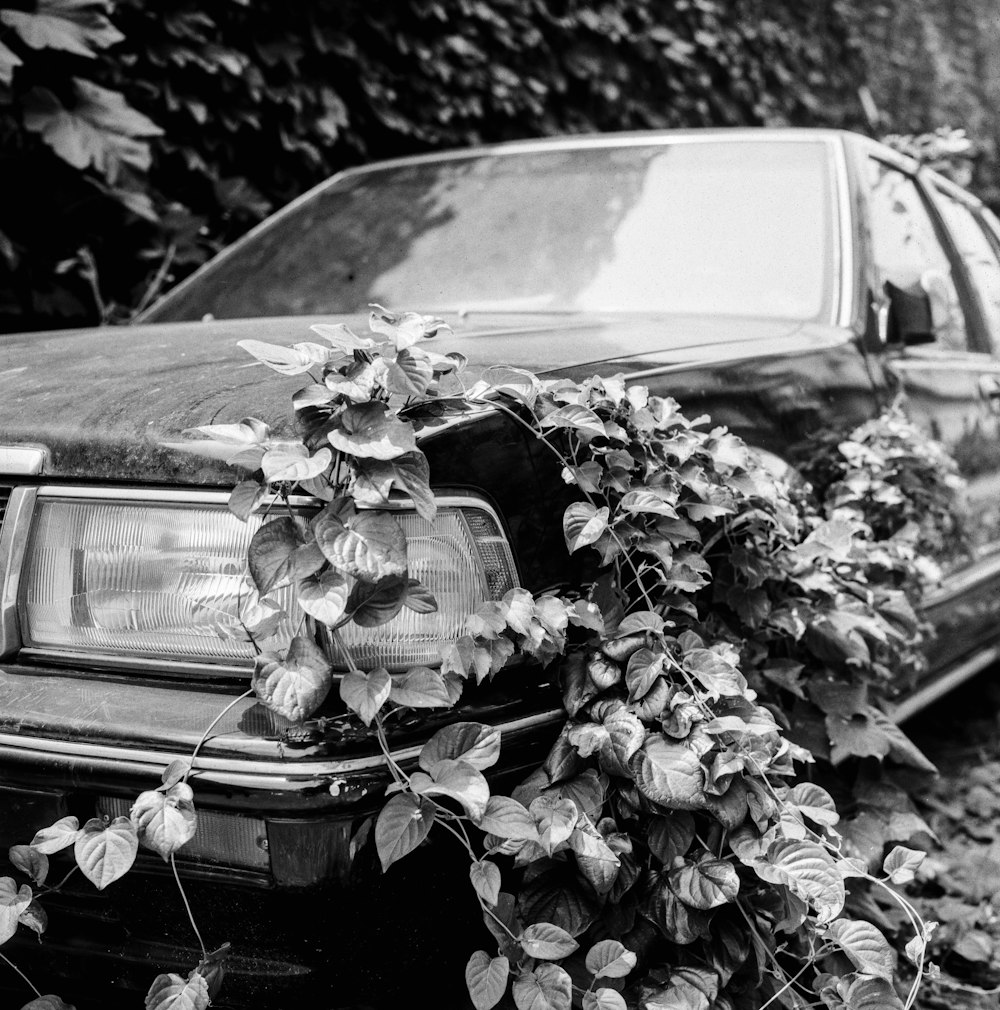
(961, 582)
(846, 238)
(923, 697)
(22, 460)
(125, 661)
(280, 776)
(13, 543)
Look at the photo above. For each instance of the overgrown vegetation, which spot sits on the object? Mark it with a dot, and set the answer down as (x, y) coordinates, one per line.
(672, 851)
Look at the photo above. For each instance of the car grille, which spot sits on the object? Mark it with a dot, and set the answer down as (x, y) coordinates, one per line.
(4, 498)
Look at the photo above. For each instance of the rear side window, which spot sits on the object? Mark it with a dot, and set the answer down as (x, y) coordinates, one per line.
(977, 254)
(908, 254)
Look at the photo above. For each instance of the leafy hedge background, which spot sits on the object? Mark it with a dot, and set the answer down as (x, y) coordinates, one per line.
(137, 139)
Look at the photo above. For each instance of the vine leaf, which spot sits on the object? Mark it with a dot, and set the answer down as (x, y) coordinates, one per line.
(420, 687)
(546, 987)
(165, 820)
(404, 329)
(403, 823)
(245, 497)
(584, 524)
(370, 546)
(106, 852)
(67, 25)
(872, 994)
(547, 942)
(809, 871)
(689, 989)
(705, 884)
(669, 774)
(323, 596)
(366, 693)
(290, 461)
(56, 836)
(343, 337)
(610, 959)
(458, 780)
(282, 551)
(485, 877)
(373, 603)
(171, 992)
(49, 1002)
(372, 431)
(506, 818)
(35, 918)
(865, 946)
(671, 835)
(901, 864)
(296, 685)
(14, 901)
(555, 819)
(292, 360)
(576, 416)
(30, 861)
(410, 374)
(814, 802)
(486, 979)
(410, 472)
(604, 999)
(475, 743)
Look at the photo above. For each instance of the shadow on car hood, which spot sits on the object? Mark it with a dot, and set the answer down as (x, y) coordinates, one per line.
(102, 400)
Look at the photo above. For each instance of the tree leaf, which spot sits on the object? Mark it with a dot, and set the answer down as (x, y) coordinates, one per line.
(865, 946)
(370, 546)
(610, 959)
(13, 902)
(171, 992)
(372, 431)
(507, 818)
(164, 821)
(296, 685)
(323, 596)
(403, 823)
(30, 861)
(282, 551)
(420, 687)
(485, 877)
(458, 780)
(486, 979)
(705, 884)
(584, 524)
(669, 774)
(474, 742)
(546, 987)
(56, 836)
(901, 864)
(366, 693)
(106, 852)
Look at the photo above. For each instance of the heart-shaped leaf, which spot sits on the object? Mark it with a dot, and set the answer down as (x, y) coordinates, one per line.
(324, 596)
(30, 862)
(245, 498)
(296, 685)
(404, 329)
(575, 416)
(56, 836)
(372, 431)
(171, 992)
(900, 865)
(584, 524)
(610, 959)
(373, 603)
(865, 946)
(669, 774)
(457, 780)
(420, 687)
(292, 360)
(705, 884)
(547, 942)
(485, 877)
(106, 852)
(605, 999)
(486, 979)
(370, 545)
(342, 337)
(290, 461)
(555, 819)
(47, 1003)
(402, 825)
(164, 821)
(410, 374)
(35, 918)
(282, 551)
(507, 818)
(366, 693)
(475, 743)
(546, 987)
(13, 901)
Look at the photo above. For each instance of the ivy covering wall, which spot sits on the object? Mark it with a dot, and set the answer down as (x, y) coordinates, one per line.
(137, 139)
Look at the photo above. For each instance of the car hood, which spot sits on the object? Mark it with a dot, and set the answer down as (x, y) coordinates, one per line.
(102, 401)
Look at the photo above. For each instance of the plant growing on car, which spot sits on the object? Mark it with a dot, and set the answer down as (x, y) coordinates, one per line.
(663, 854)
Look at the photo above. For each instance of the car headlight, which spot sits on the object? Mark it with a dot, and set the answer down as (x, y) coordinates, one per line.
(162, 582)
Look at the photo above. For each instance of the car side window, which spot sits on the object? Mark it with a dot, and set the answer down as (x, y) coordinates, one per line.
(908, 253)
(978, 255)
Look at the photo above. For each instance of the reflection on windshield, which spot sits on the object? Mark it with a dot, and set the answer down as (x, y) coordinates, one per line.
(720, 227)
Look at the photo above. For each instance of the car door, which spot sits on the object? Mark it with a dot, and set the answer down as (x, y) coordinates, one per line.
(937, 280)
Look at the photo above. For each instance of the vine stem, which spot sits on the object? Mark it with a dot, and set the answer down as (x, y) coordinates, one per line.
(14, 967)
(215, 722)
(187, 907)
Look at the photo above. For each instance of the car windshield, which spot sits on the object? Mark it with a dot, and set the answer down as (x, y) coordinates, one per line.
(720, 227)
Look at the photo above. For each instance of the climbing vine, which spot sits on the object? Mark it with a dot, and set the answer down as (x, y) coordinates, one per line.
(734, 643)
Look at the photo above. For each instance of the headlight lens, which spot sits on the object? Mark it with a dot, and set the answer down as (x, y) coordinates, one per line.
(168, 582)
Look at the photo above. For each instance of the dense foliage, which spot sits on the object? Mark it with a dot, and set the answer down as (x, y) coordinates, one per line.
(669, 852)
(257, 102)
